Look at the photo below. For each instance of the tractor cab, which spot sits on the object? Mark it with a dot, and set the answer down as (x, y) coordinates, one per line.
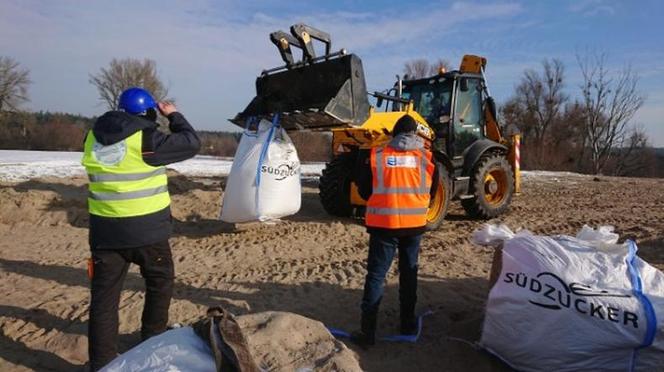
(452, 104)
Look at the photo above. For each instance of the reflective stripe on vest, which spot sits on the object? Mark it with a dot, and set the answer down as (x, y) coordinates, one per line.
(121, 183)
(110, 177)
(127, 195)
(380, 167)
(400, 211)
(401, 188)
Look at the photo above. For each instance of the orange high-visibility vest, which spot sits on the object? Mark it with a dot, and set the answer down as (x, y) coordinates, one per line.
(401, 188)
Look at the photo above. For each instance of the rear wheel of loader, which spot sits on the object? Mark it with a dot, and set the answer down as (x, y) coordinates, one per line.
(492, 186)
(440, 202)
(334, 185)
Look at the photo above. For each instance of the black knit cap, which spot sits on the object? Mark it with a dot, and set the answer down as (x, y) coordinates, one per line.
(405, 125)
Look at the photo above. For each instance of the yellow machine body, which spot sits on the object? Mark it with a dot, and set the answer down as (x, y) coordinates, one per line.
(329, 93)
(377, 129)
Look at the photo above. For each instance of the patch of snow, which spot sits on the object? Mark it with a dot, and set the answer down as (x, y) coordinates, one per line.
(16, 165)
(550, 176)
(24, 165)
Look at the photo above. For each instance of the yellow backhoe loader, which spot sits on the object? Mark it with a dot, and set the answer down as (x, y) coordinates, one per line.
(454, 109)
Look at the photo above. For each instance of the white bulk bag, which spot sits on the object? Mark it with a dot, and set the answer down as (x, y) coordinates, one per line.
(176, 350)
(563, 303)
(264, 182)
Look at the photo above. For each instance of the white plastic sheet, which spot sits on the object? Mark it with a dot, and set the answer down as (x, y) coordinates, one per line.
(604, 235)
(176, 350)
(573, 303)
(264, 182)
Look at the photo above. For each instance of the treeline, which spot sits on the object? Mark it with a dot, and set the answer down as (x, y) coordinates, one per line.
(659, 162)
(585, 128)
(311, 146)
(560, 148)
(43, 131)
(66, 132)
(588, 128)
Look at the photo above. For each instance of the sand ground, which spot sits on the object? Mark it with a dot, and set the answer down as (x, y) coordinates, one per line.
(310, 264)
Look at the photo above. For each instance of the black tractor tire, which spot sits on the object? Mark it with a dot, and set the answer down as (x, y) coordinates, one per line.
(492, 187)
(441, 201)
(334, 185)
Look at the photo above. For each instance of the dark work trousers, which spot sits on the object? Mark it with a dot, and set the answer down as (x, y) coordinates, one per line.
(381, 254)
(110, 269)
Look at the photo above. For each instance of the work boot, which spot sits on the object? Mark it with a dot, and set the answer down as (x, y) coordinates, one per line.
(366, 336)
(409, 326)
(408, 320)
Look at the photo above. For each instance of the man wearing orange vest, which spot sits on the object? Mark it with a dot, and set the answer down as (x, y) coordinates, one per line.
(396, 181)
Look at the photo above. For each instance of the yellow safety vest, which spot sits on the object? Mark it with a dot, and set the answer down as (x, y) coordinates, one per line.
(121, 183)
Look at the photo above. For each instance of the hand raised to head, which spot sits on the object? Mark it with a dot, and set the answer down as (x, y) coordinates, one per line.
(166, 108)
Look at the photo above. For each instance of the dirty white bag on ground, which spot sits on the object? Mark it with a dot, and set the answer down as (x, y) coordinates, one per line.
(566, 303)
(264, 182)
(176, 350)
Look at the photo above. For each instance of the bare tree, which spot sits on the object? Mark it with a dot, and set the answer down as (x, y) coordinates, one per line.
(125, 73)
(632, 153)
(537, 106)
(419, 68)
(609, 104)
(14, 82)
(566, 137)
(542, 96)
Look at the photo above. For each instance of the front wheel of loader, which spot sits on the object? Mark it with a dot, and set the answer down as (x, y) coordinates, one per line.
(334, 185)
(441, 200)
(492, 186)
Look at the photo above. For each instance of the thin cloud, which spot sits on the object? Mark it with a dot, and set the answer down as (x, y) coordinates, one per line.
(210, 52)
(591, 8)
(204, 47)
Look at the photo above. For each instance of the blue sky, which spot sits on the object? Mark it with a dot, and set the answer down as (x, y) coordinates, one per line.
(209, 52)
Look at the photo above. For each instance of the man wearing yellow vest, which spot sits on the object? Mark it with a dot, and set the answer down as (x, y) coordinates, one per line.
(396, 181)
(130, 216)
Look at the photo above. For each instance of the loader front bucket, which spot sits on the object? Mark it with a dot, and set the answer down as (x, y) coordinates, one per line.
(325, 94)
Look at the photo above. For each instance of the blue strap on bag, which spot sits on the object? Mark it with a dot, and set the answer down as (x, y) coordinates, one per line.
(637, 288)
(339, 333)
(266, 145)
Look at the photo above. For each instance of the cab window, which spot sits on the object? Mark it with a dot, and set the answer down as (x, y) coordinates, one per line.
(468, 119)
(432, 100)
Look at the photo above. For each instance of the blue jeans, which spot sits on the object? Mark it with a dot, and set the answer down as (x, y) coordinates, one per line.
(381, 254)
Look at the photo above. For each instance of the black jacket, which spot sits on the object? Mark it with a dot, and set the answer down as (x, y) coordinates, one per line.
(158, 149)
(364, 181)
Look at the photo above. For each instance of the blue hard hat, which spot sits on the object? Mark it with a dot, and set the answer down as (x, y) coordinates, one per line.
(136, 101)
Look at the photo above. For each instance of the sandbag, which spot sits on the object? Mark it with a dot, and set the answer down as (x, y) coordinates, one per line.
(562, 303)
(290, 342)
(275, 341)
(264, 182)
(176, 350)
